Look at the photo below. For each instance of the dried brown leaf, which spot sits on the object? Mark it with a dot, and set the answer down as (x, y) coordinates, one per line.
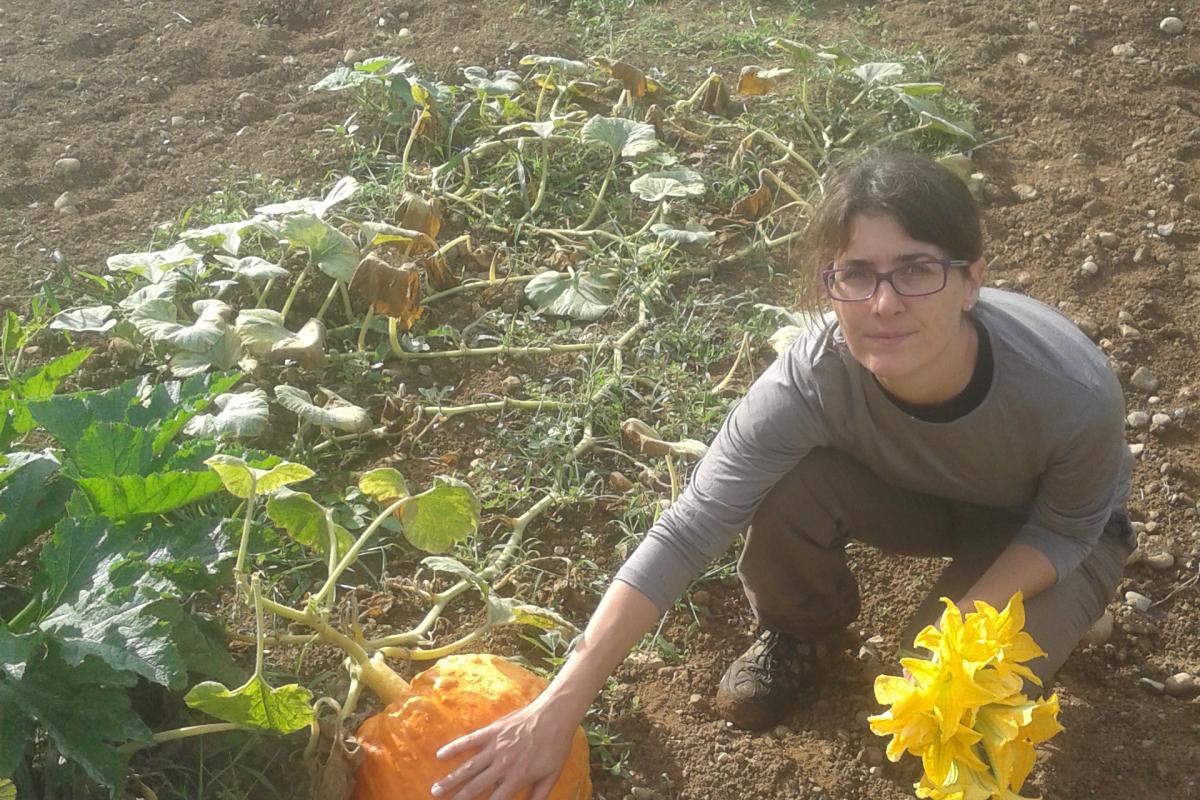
(391, 291)
(755, 205)
(417, 214)
(632, 79)
(751, 83)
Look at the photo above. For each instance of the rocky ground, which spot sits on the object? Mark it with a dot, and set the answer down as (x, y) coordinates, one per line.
(116, 120)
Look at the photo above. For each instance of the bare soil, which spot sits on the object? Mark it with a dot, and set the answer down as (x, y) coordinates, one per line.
(150, 97)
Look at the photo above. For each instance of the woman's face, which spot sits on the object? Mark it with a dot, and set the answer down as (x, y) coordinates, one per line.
(921, 349)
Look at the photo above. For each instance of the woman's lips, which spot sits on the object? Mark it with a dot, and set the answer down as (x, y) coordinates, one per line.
(887, 338)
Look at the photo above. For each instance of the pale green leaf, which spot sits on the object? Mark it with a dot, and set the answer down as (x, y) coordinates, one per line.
(918, 89)
(89, 319)
(255, 704)
(385, 485)
(224, 235)
(452, 566)
(583, 295)
(307, 522)
(341, 190)
(654, 187)
(624, 137)
(504, 82)
(253, 268)
(874, 73)
(339, 416)
(332, 251)
(437, 519)
(242, 480)
(242, 415)
(129, 496)
(693, 237)
(563, 66)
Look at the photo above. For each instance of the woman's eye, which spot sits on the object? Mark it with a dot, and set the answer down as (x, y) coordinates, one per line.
(919, 268)
(856, 274)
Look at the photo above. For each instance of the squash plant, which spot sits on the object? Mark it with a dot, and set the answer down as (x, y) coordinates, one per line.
(432, 521)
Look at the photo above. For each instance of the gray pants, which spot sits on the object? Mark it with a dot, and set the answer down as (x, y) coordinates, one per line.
(794, 566)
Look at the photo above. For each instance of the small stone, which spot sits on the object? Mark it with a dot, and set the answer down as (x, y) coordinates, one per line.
(1024, 191)
(1108, 239)
(1181, 684)
(1160, 420)
(1160, 562)
(780, 732)
(1137, 601)
(1137, 449)
(871, 756)
(1128, 331)
(403, 33)
(1074, 10)
(1100, 632)
(64, 200)
(695, 700)
(1023, 59)
(1165, 230)
(510, 384)
(701, 597)
(1033, 27)
(1135, 557)
(618, 482)
(1144, 380)
(288, 61)
(456, 50)
(1172, 26)
(1125, 50)
(1089, 327)
(177, 120)
(249, 107)
(424, 369)
(1192, 201)
(1151, 685)
(350, 56)
(1089, 268)
(724, 758)
(66, 167)
(1137, 419)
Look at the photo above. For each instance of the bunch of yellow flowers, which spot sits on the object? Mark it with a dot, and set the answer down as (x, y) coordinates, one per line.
(963, 711)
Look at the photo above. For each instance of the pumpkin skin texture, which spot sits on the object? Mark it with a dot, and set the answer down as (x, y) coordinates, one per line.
(458, 695)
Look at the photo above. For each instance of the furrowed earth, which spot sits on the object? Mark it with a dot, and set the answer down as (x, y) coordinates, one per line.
(119, 116)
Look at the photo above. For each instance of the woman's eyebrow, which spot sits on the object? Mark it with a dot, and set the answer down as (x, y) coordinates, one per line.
(902, 258)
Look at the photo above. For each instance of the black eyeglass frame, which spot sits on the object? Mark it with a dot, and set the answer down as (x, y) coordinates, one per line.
(880, 277)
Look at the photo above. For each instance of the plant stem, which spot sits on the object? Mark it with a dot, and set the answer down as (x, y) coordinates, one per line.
(291, 298)
(352, 553)
(612, 167)
(368, 318)
(26, 615)
(347, 306)
(477, 284)
(516, 350)
(256, 593)
(239, 569)
(181, 733)
(328, 299)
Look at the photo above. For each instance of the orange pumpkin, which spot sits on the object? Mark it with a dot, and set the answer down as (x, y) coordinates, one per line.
(458, 695)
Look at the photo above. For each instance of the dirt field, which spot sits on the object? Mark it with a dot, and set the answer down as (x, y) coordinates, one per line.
(1090, 152)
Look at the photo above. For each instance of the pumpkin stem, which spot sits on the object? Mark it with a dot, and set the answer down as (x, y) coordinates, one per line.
(382, 679)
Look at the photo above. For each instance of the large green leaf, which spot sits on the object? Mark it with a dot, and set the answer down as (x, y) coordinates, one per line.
(32, 496)
(129, 496)
(307, 521)
(39, 385)
(16, 732)
(584, 295)
(437, 519)
(331, 250)
(113, 448)
(14, 652)
(69, 559)
(128, 636)
(624, 137)
(241, 479)
(655, 187)
(82, 715)
(201, 642)
(255, 704)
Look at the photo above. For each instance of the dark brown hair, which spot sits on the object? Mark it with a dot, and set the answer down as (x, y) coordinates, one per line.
(929, 201)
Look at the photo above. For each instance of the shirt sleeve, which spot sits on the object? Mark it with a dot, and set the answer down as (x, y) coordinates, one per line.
(1080, 487)
(764, 436)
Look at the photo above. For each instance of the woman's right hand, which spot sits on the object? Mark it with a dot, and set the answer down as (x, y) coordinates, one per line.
(526, 748)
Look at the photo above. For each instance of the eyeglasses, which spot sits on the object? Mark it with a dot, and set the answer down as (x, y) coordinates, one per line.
(913, 279)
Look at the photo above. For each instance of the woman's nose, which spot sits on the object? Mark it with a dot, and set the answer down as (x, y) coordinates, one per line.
(886, 299)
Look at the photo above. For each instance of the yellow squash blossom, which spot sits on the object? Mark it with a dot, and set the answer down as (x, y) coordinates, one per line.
(963, 712)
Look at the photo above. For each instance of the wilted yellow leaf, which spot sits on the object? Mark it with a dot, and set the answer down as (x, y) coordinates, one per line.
(632, 78)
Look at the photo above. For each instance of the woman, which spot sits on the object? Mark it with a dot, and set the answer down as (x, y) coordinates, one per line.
(925, 416)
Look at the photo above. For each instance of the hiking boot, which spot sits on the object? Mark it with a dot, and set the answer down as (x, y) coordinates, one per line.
(759, 687)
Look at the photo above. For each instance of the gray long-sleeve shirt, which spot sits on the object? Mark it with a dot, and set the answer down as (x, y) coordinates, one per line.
(1047, 442)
